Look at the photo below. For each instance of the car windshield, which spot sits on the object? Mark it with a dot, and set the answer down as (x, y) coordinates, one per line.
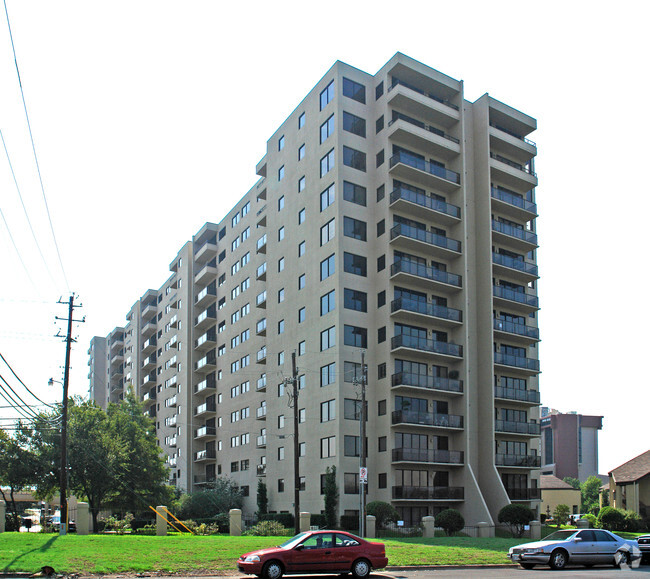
(560, 535)
(293, 541)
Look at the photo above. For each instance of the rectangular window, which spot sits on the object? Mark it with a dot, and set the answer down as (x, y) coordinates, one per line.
(301, 152)
(354, 193)
(281, 143)
(301, 249)
(351, 446)
(328, 338)
(355, 336)
(281, 203)
(327, 303)
(380, 158)
(281, 264)
(354, 228)
(301, 315)
(302, 215)
(354, 124)
(302, 280)
(328, 410)
(281, 327)
(327, 163)
(355, 300)
(351, 483)
(301, 121)
(301, 184)
(355, 264)
(280, 485)
(327, 95)
(326, 129)
(281, 233)
(328, 447)
(352, 371)
(355, 159)
(354, 90)
(379, 90)
(281, 173)
(352, 409)
(327, 231)
(327, 267)
(280, 295)
(328, 374)
(327, 197)
(379, 124)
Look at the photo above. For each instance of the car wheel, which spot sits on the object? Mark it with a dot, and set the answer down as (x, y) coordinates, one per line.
(559, 559)
(272, 570)
(360, 568)
(621, 558)
(527, 565)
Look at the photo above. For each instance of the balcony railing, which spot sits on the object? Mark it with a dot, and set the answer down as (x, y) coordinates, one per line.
(428, 493)
(426, 166)
(261, 383)
(425, 201)
(261, 470)
(261, 355)
(428, 455)
(516, 361)
(512, 231)
(205, 407)
(261, 440)
(429, 382)
(519, 329)
(513, 134)
(533, 494)
(438, 99)
(261, 271)
(427, 419)
(521, 460)
(205, 431)
(515, 296)
(208, 384)
(426, 308)
(425, 237)
(532, 428)
(524, 168)
(210, 290)
(426, 345)
(205, 455)
(514, 200)
(531, 396)
(261, 243)
(514, 263)
(424, 271)
(260, 300)
(402, 117)
(261, 412)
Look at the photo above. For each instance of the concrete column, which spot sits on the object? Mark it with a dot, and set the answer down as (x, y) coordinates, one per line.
(83, 518)
(235, 522)
(371, 526)
(161, 521)
(582, 523)
(535, 530)
(485, 529)
(305, 521)
(3, 512)
(429, 524)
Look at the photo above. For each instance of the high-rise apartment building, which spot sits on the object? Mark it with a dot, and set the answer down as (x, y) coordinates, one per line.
(392, 217)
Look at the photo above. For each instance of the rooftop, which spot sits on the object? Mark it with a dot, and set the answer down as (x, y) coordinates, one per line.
(633, 469)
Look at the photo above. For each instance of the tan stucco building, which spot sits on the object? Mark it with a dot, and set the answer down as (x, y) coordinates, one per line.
(556, 492)
(629, 485)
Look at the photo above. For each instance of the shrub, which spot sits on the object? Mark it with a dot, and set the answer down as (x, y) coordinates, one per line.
(516, 517)
(383, 512)
(222, 520)
(561, 515)
(117, 525)
(285, 519)
(611, 519)
(632, 521)
(149, 529)
(319, 521)
(593, 520)
(268, 529)
(451, 521)
(350, 522)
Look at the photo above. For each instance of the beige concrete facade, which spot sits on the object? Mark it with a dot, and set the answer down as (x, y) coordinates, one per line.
(391, 216)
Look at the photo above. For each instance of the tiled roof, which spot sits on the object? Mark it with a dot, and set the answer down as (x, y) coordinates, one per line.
(548, 481)
(633, 469)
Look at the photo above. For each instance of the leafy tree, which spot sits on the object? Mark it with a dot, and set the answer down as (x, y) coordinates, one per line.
(383, 512)
(219, 497)
(574, 482)
(451, 521)
(590, 490)
(561, 515)
(632, 522)
(516, 517)
(262, 498)
(331, 492)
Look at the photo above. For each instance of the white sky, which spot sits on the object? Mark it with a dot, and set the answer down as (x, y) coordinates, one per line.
(150, 116)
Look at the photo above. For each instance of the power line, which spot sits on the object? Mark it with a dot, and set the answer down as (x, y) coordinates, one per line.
(31, 136)
(10, 400)
(19, 380)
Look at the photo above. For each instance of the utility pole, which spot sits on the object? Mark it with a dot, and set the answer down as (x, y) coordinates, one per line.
(363, 470)
(63, 508)
(296, 446)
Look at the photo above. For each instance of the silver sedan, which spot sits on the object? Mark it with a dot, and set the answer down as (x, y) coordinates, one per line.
(585, 547)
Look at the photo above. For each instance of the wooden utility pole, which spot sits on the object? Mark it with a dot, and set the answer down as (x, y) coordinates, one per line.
(296, 445)
(362, 445)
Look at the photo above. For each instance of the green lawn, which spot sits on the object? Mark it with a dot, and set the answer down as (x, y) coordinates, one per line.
(103, 554)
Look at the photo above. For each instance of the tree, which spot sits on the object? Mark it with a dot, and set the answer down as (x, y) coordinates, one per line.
(219, 497)
(450, 520)
(383, 512)
(590, 490)
(262, 498)
(331, 492)
(611, 519)
(574, 482)
(561, 515)
(516, 517)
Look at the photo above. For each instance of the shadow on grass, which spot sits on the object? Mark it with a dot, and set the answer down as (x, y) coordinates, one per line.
(44, 547)
(498, 544)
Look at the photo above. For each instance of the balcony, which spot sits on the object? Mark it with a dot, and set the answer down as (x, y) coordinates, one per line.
(411, 168)
(428, 456)
(206, 409)
(420, 205)
(207, 363)
(260, 300)
(149, 328)
(172, 401)
(521, 300)
(149, 397)
(206, 386)
(206, 274)
(260, 327)
(512, 427)
(260, 246)
(261, 441)
(206, 296)
(422, 103)
(413, 310)
(527, 396)
(410, 380)
(202, 479)
(526, 333)
(511, 144)
(515, 267)
(261, 470)
(171, 440)
(261, 383)
(204, 431)
(534, 494)
(416, 134)
(518, 460)
(261, 355)
(206, 251)
(513, 204)
(149, 310)
(406, 271)
(529, 365)
(414, 239)
(435, 347)
(149, 379)
(150, 345)
(205, 455)
(207, 340)
(260, 273)
(512, 174)
(427, 419)
(517, 237)
(173, 322)
(260, 413)
(402, 493)
(116, 343)
(205, 318)
(171, 421)
(149, 363)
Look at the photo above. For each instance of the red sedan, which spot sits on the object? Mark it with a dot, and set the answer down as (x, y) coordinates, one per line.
(316, 552)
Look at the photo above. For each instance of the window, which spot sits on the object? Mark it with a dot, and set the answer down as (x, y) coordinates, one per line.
(379, 90)
(281, 203)
(327, 267)
(280, 485)
(381, 334)
(355, 336)
(301, 184)
(235, 219)
(301, 315)
(352, 371)
(301, 121)
(379, 124)
(328, 374)
(380, 158)
(301, 249)
(356, 264)
(281, 453)
(382, 480)
(327, 95)
(327, 163)
(328, 338)
(302, 348)
(281, 173)
(280, 295)
(281, 143)
(380, 193)
(354, 90)
(354, 124)
(327, 303)
(327, 231)
(301, 152)
(381, 370)
(355, 159)
(302, 215)
(351, 446)
(328, 447)
(281, 233)
(355, 300)
(301, 281)
(381, 263)
(281, 358)
(326, 129)
(327, 197)
(281, 327)
(281, 264)
(354, 228)
(352, 409)
(354, 193)
(381, 227)
(328, 410)
(382, 443)
(351, 483)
